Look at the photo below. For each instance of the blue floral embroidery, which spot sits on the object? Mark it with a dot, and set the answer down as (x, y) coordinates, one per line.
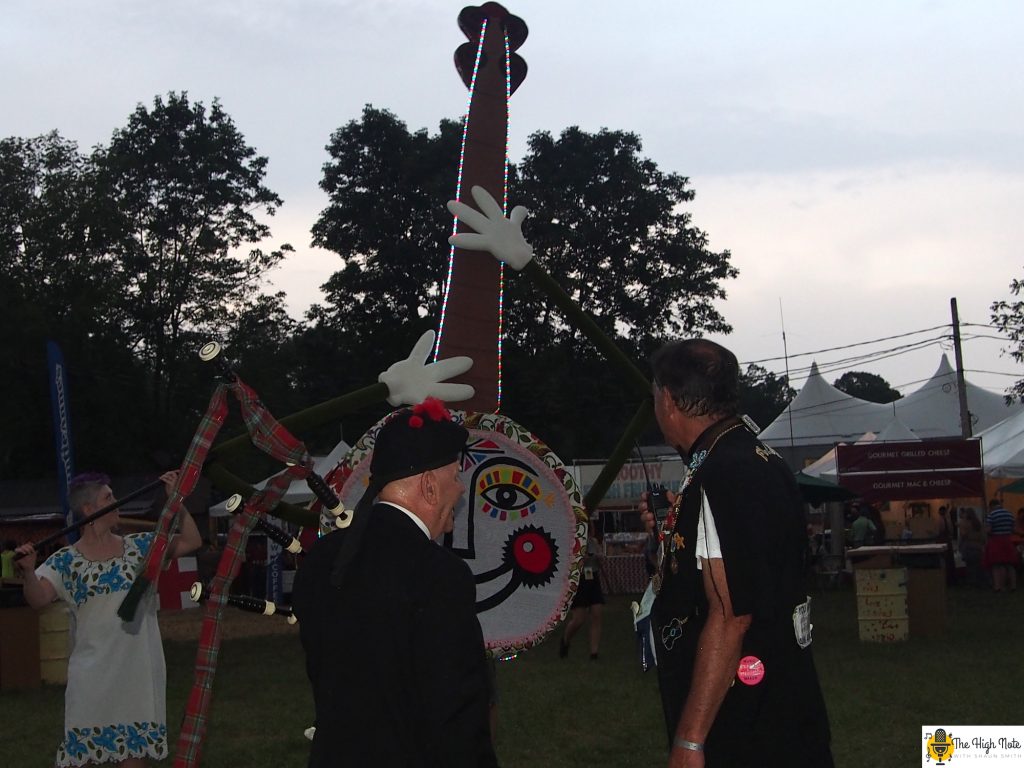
(61, 561)
(107, 739)
(81, 591)
(143, 542)
(113, 580)
(135, 741)
(73, 746)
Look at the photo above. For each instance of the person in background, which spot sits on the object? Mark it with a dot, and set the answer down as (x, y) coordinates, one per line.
(114, 705)
(971, 544)
(1000, 554)
(589, 600)
(863, 529)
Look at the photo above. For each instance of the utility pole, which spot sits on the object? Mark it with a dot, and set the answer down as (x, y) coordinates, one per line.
(961, 387)
(785, 354)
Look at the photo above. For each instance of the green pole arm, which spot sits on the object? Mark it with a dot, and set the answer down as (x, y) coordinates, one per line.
(586, 323)
(309, 418)
(231, 483)
(301, 421)
(640, 420)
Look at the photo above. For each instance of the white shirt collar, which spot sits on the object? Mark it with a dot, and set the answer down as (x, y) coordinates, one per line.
(419, 523)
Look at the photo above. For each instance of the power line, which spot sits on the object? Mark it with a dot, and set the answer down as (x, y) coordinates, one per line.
(850, 346)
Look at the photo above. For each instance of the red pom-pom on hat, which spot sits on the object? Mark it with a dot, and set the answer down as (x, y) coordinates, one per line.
(433, 408)
(415, 422)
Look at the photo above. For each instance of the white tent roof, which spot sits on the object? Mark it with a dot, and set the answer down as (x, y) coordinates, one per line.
(1002, 447)
(896, 431)
(934, 409)
(298, 492)
(825, 467)
(822, 414)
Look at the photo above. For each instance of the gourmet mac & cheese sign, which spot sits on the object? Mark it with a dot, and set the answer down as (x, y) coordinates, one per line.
(911, 470)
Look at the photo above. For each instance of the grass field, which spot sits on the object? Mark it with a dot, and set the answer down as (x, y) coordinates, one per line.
(576, 713)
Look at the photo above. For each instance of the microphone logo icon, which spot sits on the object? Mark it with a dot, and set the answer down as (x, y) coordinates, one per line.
(940, 746)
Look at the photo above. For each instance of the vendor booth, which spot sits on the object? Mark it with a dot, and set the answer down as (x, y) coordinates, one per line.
(901, 587)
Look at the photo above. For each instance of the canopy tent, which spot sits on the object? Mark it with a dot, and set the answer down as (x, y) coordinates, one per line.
(825, 467)
(820, 414)
(298, 492)
(816, 490)
(934, 409)
(1017, 486)
(896, 431)
(1002, 447)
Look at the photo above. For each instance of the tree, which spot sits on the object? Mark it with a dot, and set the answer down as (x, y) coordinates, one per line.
(187, 188)
(58, 282)
(1008, 317)
(387, 221)
(608, 226)
(763, 395)
(866, 386)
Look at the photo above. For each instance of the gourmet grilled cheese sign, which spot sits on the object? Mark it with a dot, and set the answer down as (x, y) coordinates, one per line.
(911, 470)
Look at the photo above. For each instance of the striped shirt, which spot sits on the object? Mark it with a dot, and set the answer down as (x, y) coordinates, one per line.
(1000, 522)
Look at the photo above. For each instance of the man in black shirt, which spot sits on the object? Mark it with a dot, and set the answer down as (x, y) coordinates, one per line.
(731, 619)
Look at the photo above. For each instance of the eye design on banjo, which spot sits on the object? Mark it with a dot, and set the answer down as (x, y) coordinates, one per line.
(508, 493)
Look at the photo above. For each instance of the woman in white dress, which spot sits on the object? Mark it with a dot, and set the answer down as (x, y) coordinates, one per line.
(114, 705)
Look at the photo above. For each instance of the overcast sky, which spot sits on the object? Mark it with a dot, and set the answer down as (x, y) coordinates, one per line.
(861, 160)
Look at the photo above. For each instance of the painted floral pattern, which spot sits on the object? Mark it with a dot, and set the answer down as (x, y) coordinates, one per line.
(522, 439)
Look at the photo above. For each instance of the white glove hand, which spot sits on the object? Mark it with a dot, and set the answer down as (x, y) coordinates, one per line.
(410, 381)
(502, 237)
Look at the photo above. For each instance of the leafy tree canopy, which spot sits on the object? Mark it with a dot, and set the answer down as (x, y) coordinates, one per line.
(187, 189)
(1008, 317)
(129, 257)
(763, 395)
(866, 386)
(607, 224)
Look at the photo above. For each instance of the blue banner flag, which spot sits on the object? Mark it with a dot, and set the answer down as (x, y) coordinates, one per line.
(61, 428)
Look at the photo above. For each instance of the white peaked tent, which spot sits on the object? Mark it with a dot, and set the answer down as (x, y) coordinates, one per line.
(934, 409)
(298, 492)
(1002, 447)
(821, 414)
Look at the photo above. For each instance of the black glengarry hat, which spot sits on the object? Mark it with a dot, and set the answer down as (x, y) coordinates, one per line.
(415, 440)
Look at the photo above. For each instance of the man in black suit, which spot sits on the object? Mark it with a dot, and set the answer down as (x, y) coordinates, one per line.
(387, 617)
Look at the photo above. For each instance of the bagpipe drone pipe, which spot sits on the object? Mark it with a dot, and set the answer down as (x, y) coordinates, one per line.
(200, 592)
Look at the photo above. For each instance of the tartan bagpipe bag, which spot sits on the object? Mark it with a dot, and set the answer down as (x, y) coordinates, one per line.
(272, 438)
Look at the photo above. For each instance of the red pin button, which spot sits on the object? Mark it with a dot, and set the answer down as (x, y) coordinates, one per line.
(751, 670)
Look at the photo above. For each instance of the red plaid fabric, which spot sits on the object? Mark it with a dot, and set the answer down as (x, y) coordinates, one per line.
(191, 468)
(268, 435)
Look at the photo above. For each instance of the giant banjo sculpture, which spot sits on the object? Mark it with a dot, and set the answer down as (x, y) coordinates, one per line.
(522, 523)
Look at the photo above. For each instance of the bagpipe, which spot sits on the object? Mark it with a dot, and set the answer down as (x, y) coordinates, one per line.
(269, 436)
(94, 516)
(200, 592)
